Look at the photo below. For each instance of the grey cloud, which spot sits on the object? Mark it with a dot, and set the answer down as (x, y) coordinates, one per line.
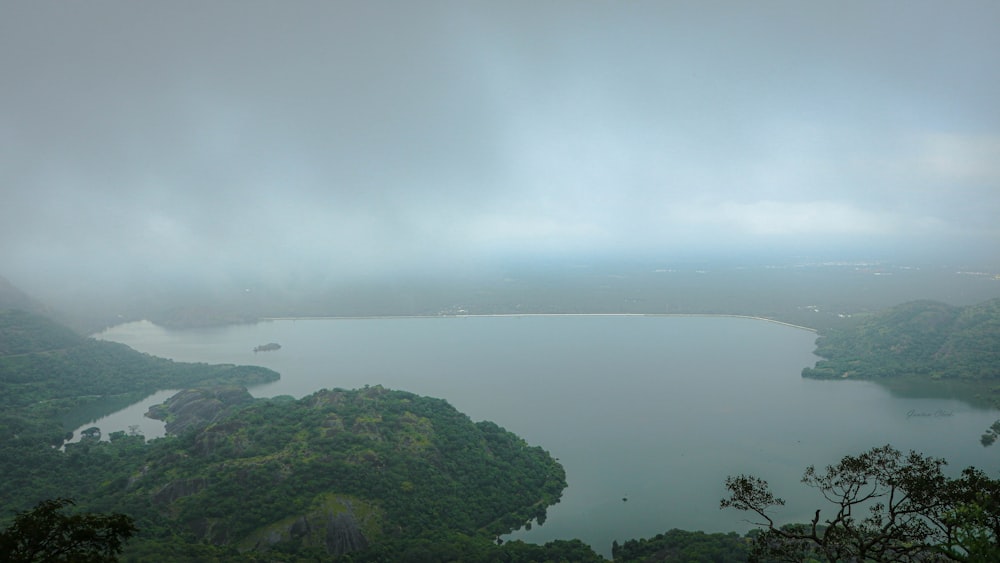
(353, 136)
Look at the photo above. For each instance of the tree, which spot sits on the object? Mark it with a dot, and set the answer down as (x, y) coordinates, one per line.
(990, 435)
(46, 534)
(914, 512)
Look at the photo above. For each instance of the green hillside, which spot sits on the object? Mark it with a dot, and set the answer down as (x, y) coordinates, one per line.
(921, 348)
(918, 338)
(335, 472)
(52, 380)
(22, 332)
(369, 474)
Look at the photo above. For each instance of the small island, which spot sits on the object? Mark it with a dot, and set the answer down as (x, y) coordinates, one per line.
(269, 347)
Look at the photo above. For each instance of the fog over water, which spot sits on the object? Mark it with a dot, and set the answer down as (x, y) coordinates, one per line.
(203, 147)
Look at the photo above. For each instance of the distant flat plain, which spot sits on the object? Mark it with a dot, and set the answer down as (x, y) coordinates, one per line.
(813, 294)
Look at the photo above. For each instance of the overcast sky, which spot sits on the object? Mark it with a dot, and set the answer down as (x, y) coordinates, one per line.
(158, 137)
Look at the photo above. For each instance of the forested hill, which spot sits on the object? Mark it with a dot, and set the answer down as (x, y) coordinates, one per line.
(49, 376)
(22, 332)
(13, 298)
(377, 474)
(373, 471)
(921, 338)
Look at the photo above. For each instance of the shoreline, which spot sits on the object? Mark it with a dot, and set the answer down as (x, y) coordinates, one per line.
(477, 315)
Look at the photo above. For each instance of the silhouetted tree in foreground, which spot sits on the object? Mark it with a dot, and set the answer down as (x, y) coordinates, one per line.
(46, 534)
(885, 507)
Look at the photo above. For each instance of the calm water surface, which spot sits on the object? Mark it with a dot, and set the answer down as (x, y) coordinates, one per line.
(656, 410)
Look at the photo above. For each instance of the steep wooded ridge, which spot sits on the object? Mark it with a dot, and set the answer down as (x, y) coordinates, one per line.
(369, 474)
(920, 338)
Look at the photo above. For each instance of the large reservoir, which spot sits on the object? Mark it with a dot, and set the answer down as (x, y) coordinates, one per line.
(648, 414)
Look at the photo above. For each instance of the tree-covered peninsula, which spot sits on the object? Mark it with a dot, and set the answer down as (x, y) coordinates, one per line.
(342, 471)
(957, 348)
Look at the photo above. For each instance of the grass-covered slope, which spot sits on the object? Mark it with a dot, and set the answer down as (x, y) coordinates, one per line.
(920, 338)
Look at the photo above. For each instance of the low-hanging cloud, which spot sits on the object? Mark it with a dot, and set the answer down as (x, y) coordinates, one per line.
(350, 138)
(772, 218)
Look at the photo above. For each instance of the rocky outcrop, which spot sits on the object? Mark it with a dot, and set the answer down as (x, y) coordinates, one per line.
(340, 525)
(194, 409)
(225, 436)
(178, 489)
(343, 534)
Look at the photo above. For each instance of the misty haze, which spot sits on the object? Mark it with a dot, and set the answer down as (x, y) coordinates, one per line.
(495, 280)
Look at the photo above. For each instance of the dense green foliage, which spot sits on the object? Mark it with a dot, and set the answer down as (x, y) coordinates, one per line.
(334, 472)
(681, 545)
(46, 534)
(50, 375)
(99, 368)
(24, 333)
(367, 464)
(475, 549)
(373, 473)
(922, 338)
(885, 506)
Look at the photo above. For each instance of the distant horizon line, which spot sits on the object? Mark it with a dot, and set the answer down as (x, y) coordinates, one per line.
(467, 315)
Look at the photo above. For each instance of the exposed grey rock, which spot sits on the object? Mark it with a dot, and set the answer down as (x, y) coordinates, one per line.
(343, 534)
(178, 489)
(337, 529)
(194, 409)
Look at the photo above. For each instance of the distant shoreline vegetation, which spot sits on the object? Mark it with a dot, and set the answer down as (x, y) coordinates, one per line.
(917, 345)
(479, 315)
